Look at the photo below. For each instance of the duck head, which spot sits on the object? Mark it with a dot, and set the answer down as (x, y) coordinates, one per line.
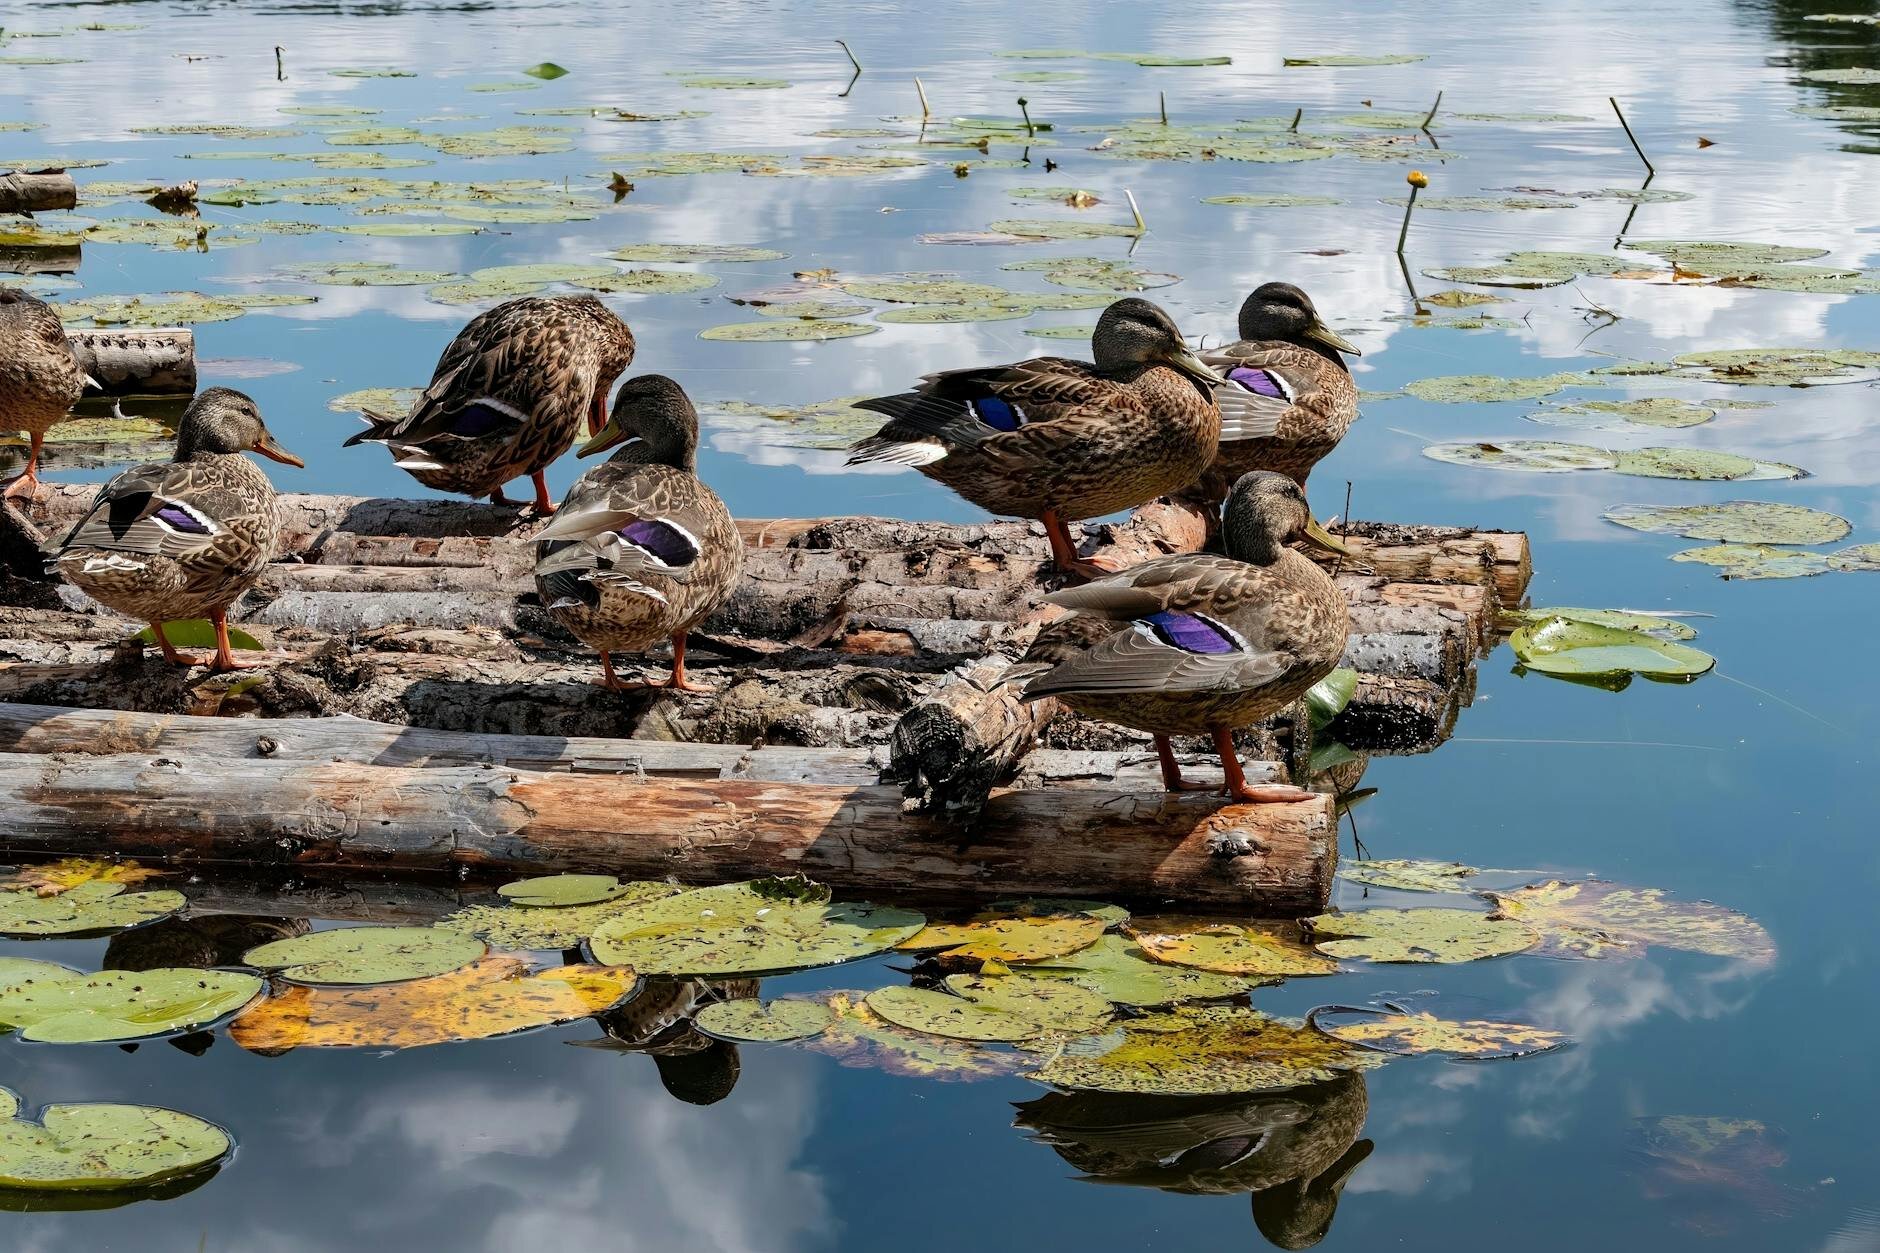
(1267, 511)
(1135, 333)
(1280, 311)
(223, 420)
(654, 411)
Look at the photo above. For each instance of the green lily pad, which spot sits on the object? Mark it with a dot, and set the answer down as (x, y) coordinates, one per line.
(1043, 76)
(813, 310)
(799, 329)
(1617, 619)
(502, 86)
(1053, 1005)
(1775, 367)
(499, 282)
(1419, 935)
(363, 274)
(1561, 646)
(92, 908)
(917, 289)
(694, 252)
(1225, 947)
(1483, 204)
(1076, 197)
(857, 1037)
(103, 1147)
(1756, 561)
(1593, 919)
(1692, 463)
(1095, 274)
(727, 82)
(1203, 1050)
(1457, 298)
(564, 889)
(387, 400)
(748, 928)
(1340, 60)
(638, 164)
(1840, 112)
(764, 1022)
(1720, 258)
(1857, 74)
(1537, 455)
(517, 213)
(1272, 200)
(1736, 521)
(943, 1014)
(1060, 332)
(649, 282)
(400, 230)
(831, 425)
(217, 130)
(117, 1005)
(24, 969)
(1425, 1035)
(1460, 388)
(1665, 411)
(371, 71)
(546, 70)
(1065, 228)
(952, 313)
(1820, 280)
(1411, 875)
(1532, 269)
(328, 110)
(1015, 938)
(561, 927)
(1857, 557)
(1046, 906)
(361, 955)
(1119, 971)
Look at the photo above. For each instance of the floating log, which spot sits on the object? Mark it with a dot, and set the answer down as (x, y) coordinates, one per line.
(40, 258)
(37, 191)
(156, 362)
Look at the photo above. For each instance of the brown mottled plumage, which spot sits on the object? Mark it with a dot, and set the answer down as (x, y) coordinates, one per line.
(1282, 336)
(183, 538)
(1200, 644)
(642, 550)
(40, 379)
(508, 396)
(1061, 440)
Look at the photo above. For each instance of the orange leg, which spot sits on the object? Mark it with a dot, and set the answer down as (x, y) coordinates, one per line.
(677, 682)
(542, 503)
(1171, 769)
(597, 413)
(609, 679)
(170, 654)
(1064, 553)
(27, 484)
(502, 501)
(1237, 786)
(225, 658)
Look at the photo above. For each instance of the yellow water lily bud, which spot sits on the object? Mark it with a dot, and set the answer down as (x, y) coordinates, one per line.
(1417, 178)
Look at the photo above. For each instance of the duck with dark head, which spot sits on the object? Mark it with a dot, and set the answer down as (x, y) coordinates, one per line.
(1061, 440)
(182, 539)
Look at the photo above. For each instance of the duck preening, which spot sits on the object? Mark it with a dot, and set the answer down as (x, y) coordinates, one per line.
(1061, 440)
(183, 538)
(508, 397)
(40, 379)
(1200, 644)
(1287, 366)
(641, 550)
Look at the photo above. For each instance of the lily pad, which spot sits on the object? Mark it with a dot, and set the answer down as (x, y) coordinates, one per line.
(766, 1022)
(1483, 204)
(364, 955)
(493, 996)
(952, 313)
(1235, 948)
(1063, 228)
(1043, 906)
(117, 1005)
(857, 1037)
(1857, 557)
(399, 230)
(777, 330)
(561, 927)
(1756, 561)
(1723, 257)
(1419, 935)
(1618, 619)
(1013, 939)
(943, 1014)
(1737, 521)
(1055, 1006)
(1461, 388)
(694, 252)
(1686, 463)
(546, 70)
(1421, 1035)
(371, 71)
(924, 290)
(1342, 59)
(103, 1147)
(564, 889)
(1856, 74)
(1591, 918)
(1203, 1051)
(1665, 411)
(1096, 274)
(364, 274)
(748, 928)
(814, 310)
(1460, 299)
(94, 908)
(1119, 971)
(1060, 332)
(1572, 649)
(1534, 455)
(387, 400)
(499, 282)
(1819, 280)
(1273, 200)
(53, 877)
(1410, 875)
(1775, 367)
(650, 282)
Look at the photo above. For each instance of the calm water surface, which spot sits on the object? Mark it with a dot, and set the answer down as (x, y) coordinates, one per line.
(1754, 787)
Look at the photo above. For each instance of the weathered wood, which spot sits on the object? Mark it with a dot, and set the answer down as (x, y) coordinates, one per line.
(156, 362)
(41, 258)
(1273, 860)
(1426, 554)
(36, 192)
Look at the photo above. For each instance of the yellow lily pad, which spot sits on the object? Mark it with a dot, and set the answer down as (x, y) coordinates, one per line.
(1419, 935)
(1012, 939)
(1420, 1034)
(1235, 948)
(1119, 970)
(1592, 919)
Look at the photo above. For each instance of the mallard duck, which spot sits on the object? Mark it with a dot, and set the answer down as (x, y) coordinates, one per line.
(508, 396)
(40, 379)
(641, 550)
(183, 538)
(1199, 644)
(1286, 365)
(1061, 440)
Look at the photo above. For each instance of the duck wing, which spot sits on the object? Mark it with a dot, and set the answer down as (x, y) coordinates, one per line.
(170, 509)
(1264, 381)
(1027, 408)
(620, 524)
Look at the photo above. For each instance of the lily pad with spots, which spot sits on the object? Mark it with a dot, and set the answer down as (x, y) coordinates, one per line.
(561, 927)
(1060, 332)
(119, 1005)
(650, 282)
(858, 1037)
(1857, 557)
(1756, 561)
(1411, 875)
(364, 274)
(102, 1147)
(1533, 455)
(1273, 200)
(764, 1022)
(53, 877)
(1224, 947)
(547, 70)
(1561, 646)
(1484, 204)
(956, 1017)
(952, 313)
(925, 290)
(1203, 1051)
(366, 955)
(1617, 619)
(549, 891)
(399, 230)
(493, 996)
(1735, 521)
(1719, 258)
(1468, 388)
(1046, 906)
(1860, 75)
(814, 310)
(95, 908)
(669, 253)
(729, 82)
(1118, 970)
(1663, 411)
(777, 331)
(1066, 228)
(1697, 463)
(1095, 274)
(1774, 367)
(1018, 938)
(1819, 280)
(498, 282)
(1416, 1034)
(386, 400)
(1591, 918)
(1419, 935)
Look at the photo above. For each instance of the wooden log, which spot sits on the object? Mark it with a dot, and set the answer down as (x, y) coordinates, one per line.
(41, 258)
(156, 362)
(37, 191)
(1424, 554)
(1410, 641)
(1271, 860)
(1396, 716)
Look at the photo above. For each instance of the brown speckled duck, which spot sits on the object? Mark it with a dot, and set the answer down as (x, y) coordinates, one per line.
(184, 538)
(641, 550)
(508, 396)
(1062, 440)
(40, 379)
(1200, 644)
(1287, 364)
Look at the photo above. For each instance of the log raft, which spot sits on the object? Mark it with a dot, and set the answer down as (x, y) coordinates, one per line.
(160, 361)
(36, 191)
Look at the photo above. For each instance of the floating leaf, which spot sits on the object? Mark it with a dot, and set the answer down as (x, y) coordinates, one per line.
(1719, 258)
(815, 310)
(492, 996)
(1591, 918)
(1055, 1006)
(1095, 274)
(546, 70)
(22, 969)
(1272, 200)
(648, 282)
(695, 252)
(562, 927)
(725, 82)
(1203, 1050)
(925, 290)
(359, 955)
(747, 928)
(1856, 74)
(1738, 521)
(766, 1022)
(798, 329)
(1536, 455)
(1560, 646)
(371, 71)
(1419, 1034)
(1667, 411)
(1687, 463)
(1456, 298)
(87, 909)
(1819, 280)
(1619, 619)
(1717, 1169)
(1483, 204)
(364, 274)
(1458, 388)
(1014, 939)
(1856, 557)
(942, 1014)
(1756, 561)
(857, 1037)
(1060, 332)
(1410, 875)
(1119, 971)
(403, 229)
(565, 889)
(952, 313)
(1419, 935)
(1040, 906)
(1345, 60)
(51, 878)
(498, 281)
(1775, 367)
(1066, 228)
(115, 1005)
(103, 1147)
(1234, 948)
(394, 401)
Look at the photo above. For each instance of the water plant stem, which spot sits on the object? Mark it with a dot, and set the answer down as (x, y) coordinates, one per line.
(1614, 101)
(851, 55)
(1403, 232)
(1030, 130)
(925, 112)
(1431, 115)
(1298, 113)
(1141, 226)
(1162, 99)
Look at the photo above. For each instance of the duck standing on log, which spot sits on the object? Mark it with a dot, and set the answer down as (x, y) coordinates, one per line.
(1061, 440)
(183, 539)
(642, 550)
(1287, 366)
(508, 396)
(1200, 644)
(40, 379)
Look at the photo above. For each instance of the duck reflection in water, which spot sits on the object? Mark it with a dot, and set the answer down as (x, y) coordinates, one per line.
(658, 1022)
(1293, 1151)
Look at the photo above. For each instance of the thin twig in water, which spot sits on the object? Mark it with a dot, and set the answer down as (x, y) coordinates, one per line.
(1344, 533)
(1431, 115)
(853, 78)
(1162, 99)
(1297, 114)
(1141, 226)
(852, 61)
(925, 112)
(1614, 101)
(280, 71)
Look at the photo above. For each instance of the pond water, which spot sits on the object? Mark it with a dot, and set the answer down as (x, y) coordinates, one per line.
(1753, 787)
